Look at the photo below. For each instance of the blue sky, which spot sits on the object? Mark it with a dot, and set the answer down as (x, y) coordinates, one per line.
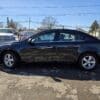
(71, 8)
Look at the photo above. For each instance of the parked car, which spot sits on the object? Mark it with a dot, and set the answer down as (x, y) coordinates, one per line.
(8, 32)
(53, 45)
(25, 34)
(5, 37)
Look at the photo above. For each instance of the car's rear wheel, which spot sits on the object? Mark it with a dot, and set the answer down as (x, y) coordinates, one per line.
(88, 61)
(10, 60)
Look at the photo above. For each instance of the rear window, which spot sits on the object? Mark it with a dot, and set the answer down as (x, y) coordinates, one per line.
(85, 36)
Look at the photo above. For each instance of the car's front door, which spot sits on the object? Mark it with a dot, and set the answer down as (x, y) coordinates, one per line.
(67, 46)
(42, 48)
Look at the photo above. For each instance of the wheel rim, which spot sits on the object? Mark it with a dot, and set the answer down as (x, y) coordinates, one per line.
(88, 62)
(9, 60)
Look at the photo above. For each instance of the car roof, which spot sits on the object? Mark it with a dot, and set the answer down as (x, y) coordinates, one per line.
(57, 30)
(53, 30)
(61, 30)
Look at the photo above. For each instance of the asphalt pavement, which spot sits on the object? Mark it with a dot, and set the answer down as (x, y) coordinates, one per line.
(49, 81)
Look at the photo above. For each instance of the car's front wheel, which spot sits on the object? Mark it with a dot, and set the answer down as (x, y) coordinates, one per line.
(9, 59)
(88, 61)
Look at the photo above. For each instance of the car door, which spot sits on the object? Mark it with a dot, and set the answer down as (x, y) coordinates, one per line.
(67, 46)
(42, 47)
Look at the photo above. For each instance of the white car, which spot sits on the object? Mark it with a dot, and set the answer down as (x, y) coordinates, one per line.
(7, 34)
(4, 37)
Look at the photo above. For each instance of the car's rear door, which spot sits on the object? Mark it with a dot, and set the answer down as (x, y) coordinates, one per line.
(67, 46)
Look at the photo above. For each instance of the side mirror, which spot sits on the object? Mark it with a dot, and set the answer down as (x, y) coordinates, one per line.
(31, 41)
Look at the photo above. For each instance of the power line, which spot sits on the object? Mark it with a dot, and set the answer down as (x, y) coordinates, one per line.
(47, 7)
(26, 21)
(29, 23)
(42, 15)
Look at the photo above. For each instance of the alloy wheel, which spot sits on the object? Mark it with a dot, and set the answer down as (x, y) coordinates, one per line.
(9, 60)
(88, 62)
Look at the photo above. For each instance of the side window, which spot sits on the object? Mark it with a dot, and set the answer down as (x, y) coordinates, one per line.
(67, 37)
(47, 37)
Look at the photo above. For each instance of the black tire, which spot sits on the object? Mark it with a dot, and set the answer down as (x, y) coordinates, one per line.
(82, 62)
(15, 58)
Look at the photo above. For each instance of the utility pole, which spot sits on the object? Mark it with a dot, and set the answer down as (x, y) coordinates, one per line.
(63, 26)
(29, 23)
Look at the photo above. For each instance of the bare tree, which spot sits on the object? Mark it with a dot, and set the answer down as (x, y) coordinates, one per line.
(12, 24)
(48, 23)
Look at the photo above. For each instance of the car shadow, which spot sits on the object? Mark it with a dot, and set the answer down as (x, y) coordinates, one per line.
(57, 71)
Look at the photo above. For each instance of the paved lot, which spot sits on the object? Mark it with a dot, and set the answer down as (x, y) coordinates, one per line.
(49, 82)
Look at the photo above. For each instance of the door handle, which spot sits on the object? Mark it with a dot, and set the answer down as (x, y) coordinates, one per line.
(49, 47)
(46, 47)
(73, 46)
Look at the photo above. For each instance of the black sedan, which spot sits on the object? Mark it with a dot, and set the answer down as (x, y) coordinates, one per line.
(53, 45)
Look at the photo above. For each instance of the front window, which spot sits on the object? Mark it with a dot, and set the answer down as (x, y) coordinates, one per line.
(45, 37)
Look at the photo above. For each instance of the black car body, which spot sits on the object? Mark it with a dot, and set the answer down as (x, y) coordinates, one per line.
(53, 45)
